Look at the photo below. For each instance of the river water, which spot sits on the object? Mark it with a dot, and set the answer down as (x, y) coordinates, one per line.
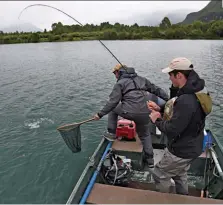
(46, 85)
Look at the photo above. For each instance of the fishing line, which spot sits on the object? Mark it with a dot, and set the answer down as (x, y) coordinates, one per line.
(74, 20)
(44, 5)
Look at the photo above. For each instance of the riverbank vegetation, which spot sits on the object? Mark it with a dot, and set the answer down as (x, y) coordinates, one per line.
(107, 31)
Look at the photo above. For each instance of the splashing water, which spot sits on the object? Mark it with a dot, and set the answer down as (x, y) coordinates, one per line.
(35, 123)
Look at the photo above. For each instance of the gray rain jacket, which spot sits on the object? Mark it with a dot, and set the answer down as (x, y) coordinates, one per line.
(128, 90)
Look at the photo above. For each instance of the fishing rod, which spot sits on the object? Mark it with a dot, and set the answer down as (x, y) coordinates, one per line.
(74, 20)
(44, 5)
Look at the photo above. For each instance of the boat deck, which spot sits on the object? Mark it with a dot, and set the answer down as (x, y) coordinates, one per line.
(107, 194)
(92, 188)
(141, 189)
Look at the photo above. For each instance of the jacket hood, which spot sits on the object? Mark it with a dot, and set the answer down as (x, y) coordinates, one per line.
(127, 73)
(194, 84)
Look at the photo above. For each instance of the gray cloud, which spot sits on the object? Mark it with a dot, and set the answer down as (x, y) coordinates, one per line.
(87, 11)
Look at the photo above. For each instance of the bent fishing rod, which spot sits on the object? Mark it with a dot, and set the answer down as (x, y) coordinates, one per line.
(45, 5)
(71, 18)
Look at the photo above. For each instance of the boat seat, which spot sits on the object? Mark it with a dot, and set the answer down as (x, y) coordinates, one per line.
(108, 194)
(128, 146)
(132, 150)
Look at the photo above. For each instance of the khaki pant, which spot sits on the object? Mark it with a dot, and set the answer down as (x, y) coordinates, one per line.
(173, 167)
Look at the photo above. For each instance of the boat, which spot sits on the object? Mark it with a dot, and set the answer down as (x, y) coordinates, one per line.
(91, 188)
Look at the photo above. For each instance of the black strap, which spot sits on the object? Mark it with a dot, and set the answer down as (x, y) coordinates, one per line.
(136, 88)
(131, 90)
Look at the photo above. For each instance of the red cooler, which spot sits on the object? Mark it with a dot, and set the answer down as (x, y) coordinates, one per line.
(126, 129)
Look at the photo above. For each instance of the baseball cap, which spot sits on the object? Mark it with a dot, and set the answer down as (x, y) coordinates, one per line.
(118, 67)
(180, 63)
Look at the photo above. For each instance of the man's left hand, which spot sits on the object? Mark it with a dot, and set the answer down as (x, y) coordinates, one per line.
(96, 117)
(154, 116)
(153, 106)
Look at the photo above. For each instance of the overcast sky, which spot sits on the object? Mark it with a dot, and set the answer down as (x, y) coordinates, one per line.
(86, 11)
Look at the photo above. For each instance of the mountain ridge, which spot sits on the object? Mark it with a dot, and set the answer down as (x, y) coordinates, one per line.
(20, 27)
(212, 11)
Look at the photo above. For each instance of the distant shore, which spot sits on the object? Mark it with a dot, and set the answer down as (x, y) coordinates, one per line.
(105, 31)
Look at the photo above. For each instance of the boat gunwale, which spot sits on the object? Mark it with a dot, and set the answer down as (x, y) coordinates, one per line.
(86, 169)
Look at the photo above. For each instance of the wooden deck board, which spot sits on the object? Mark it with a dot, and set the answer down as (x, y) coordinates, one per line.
(107, 194)
(129, 146)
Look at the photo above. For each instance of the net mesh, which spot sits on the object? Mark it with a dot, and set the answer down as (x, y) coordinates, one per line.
(71, 134)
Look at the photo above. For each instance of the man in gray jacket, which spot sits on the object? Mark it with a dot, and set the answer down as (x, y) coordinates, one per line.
(128, 99)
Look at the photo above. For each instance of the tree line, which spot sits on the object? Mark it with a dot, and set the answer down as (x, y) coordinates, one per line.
(107, 31)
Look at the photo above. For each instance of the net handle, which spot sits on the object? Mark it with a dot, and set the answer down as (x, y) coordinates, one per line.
(79, 123)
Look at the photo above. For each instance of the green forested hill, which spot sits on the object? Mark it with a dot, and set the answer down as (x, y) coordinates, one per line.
(213, 11)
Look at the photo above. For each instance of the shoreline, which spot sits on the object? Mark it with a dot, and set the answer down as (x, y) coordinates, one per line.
(63, 41)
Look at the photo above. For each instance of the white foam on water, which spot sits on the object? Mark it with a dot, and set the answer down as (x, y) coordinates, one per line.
(35, 123)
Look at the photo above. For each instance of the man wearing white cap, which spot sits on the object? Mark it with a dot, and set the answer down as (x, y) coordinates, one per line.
(183, 123)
